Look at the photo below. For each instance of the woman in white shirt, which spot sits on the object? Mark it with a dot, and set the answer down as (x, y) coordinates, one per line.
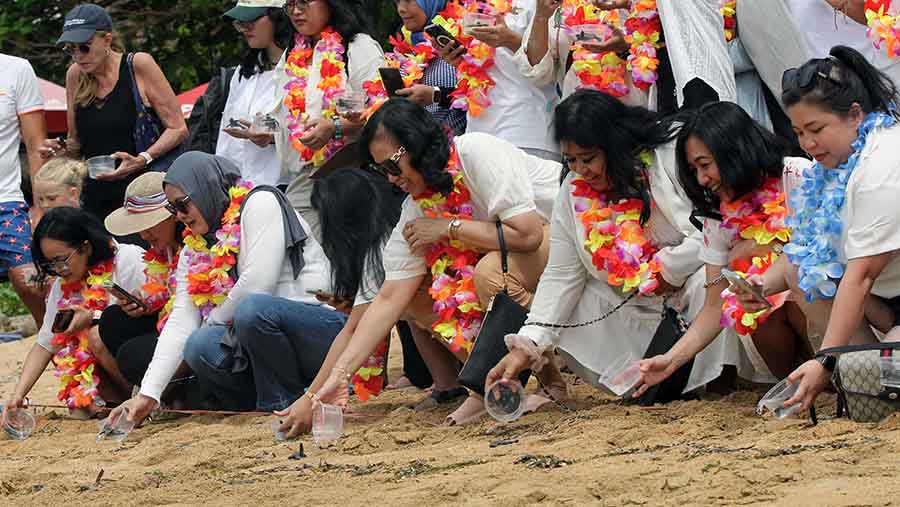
(73, 246)
(311, 130)
(240, 242)
(622, 174)
(267, 31)
(846, 230)
(458, 190)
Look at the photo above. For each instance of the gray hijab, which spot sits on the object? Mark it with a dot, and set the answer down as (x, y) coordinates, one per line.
(206, 179)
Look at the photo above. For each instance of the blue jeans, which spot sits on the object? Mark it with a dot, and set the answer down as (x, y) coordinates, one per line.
(285, 342)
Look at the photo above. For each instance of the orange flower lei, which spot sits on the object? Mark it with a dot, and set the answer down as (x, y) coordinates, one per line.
(598, 71)
(159, 273)
(474, 84)
(74, 361)
(332, 84)
(368, 380)
(729, 11)
(759, 216)
(884, 26)
(208, 276)
(410, 59)
(452, 265)
(616, 239)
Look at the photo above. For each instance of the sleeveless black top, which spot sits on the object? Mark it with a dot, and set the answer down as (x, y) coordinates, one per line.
(106, 126)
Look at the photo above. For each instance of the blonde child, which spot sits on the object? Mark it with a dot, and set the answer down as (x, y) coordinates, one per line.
(58, 183)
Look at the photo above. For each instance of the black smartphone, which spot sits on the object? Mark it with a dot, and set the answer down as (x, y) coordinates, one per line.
(391, 79)
(62, 320)
(441, 37)
(123, 295)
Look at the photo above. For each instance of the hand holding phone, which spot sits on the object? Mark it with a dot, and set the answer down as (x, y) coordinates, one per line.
(62, 321)
(391, 79)
(124, 296)
(740, 284)
(442, 38)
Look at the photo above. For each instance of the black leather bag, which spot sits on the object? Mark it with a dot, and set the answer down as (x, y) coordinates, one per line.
(670, 330)
(503, 316)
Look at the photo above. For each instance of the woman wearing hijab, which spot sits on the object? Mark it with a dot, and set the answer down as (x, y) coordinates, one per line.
(239, 242)
(438, 79)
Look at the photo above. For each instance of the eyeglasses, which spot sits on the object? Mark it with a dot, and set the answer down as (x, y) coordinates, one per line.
(179, 205)
(244, 26)
(390, 166)
(804, 77)
(300, 5)
(71, 49)
(56, 267)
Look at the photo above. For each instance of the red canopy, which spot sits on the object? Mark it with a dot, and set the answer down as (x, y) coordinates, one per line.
(188, 98)
(54, 106)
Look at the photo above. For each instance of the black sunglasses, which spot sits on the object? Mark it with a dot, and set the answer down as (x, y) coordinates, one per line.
(804, 77)
(389, 166)
(179, 205)
(71, 49)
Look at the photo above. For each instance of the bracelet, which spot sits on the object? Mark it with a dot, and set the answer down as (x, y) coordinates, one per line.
(342, 372)
(313, 397)
(338, 128)
(714, 281)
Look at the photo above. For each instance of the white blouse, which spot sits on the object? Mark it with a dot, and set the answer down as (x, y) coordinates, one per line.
(262, 267)
(128, 273)
(503, 181)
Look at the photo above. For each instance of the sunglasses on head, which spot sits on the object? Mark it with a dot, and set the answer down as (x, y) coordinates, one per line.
(804, 77)
(389, 166)
(179, 205)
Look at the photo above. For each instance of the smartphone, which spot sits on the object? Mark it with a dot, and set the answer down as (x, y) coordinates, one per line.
(62, 320)
(737, 281)
(123, 295)
(235, 124)
(391, 79)
(319, 292)
(442, 38)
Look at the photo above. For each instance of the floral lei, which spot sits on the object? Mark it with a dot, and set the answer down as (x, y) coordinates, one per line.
(884, 26)
(729, 11)
(817, 222)
(332, 84)
(598, 71)
(474, 84)
(452, 265)
(644, 34)
(410, 59)
(159, 273)
(208, 276)
(75, 363)
(615, 237)
(368, 380)
(760, 216)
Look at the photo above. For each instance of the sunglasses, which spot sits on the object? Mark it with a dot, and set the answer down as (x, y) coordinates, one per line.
(804, 77)
(72, 49)
(179, 205)
(300, 5)
(390, 166)
(57, 267)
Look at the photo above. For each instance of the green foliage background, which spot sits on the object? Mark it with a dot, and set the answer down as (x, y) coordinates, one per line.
(188, 38)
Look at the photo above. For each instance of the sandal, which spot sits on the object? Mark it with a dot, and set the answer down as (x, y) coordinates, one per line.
(437, 398)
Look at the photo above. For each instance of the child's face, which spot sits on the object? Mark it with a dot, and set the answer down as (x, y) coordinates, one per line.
(53, 195)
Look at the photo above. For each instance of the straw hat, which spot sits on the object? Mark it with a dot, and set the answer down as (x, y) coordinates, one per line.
(145, 206)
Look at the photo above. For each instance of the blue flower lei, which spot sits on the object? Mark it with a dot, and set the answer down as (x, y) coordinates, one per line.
(817, 222)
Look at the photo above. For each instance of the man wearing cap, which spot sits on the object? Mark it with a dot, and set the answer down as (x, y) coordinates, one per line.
(21, 118)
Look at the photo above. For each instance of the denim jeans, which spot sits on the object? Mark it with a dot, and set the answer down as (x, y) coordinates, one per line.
(285, 342)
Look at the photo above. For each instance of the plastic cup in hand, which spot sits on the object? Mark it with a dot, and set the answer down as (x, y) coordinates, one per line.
(264, 124)
(19, 424)
(775, 398)
(103, 164)
(327, 423)
(505, 401)
(590, 34)
(350, 102)
(622, 375)
(475, 19)
(115, 429)
(280, 436)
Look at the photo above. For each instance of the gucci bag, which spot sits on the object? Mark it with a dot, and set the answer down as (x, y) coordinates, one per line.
(867, 378)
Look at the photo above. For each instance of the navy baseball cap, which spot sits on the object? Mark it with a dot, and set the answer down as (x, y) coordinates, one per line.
(82, 22)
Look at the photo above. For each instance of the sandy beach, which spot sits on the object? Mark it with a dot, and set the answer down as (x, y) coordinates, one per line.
(716, 451)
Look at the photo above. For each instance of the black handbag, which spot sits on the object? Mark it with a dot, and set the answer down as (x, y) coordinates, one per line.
(502, 317)
(667, 334)
(148, 127)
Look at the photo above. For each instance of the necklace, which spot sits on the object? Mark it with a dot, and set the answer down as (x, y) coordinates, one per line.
(159, 273)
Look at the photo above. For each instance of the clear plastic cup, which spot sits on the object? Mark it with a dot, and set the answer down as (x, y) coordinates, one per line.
(775, 398)
(103, 164)
(264, 124)
(890, 372)
(116, 429)
(476, 19)
(327, 423)
(622, 374)
(595, 34)
(19, 424)
(505, 401)
(280, 436)
(350, 102)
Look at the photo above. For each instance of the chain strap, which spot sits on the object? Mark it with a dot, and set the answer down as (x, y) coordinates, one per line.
(584, 324)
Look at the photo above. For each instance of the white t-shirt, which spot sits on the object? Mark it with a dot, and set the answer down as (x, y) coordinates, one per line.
(19, 95)
(520, 112)
(246, 97)
(262, 267)
(368, 285)
(128, 273)
(503, 181)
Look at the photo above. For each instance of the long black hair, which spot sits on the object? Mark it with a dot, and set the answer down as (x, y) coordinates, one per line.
(592, 119)
(348, 18)
(745, 153)
(358, 211)
(74, 227)
(256, 60)
(423, 137)
(848, 78)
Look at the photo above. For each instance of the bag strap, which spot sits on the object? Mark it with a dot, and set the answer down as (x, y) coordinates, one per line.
(504, 256)
(135, 91)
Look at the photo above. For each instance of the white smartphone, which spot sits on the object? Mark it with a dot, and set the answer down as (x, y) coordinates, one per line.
(738, 282)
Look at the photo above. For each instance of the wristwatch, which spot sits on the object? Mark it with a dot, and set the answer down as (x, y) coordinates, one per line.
(96, 318)
(777, 248)
(338, 129)
(436, 95)
(453, 227)
(147, 158)
(827, 362)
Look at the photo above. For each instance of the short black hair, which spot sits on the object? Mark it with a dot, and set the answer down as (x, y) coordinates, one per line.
(593, 119)
(852, 80)
(74, 227)
(424, 138)
(745, 152)
(255, 60)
